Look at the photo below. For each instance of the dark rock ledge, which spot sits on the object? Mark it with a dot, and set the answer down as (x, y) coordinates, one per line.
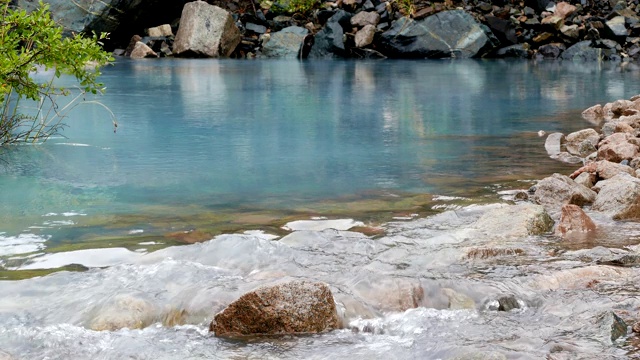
(541, 29)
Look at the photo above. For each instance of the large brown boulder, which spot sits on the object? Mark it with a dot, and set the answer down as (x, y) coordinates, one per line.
(619, 197)
(556, 190)
(206, 31)
(295, 307)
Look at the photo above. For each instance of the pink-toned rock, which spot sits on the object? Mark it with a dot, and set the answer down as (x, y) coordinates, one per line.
(556, 21)
(574, 220)
(564, 9)
(616, 147)
(593, 113)
(607, 169)
(295, 307)
(623, 127)
(620, 106)
(619, 197)
(141, 51)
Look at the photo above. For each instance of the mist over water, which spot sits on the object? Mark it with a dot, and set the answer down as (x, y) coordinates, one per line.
(242, 143)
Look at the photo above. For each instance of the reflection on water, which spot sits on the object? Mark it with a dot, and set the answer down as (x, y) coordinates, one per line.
(217, 135)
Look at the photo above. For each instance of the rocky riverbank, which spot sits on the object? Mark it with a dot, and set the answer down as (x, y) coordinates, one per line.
(585, 30)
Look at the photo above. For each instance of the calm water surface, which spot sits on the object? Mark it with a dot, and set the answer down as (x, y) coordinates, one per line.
(215, 146)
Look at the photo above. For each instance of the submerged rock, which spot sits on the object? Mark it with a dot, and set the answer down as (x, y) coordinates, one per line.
(295, 307)
(508, 303)
(206, 31)
(516, 221)
(124, 311)
(458, 300)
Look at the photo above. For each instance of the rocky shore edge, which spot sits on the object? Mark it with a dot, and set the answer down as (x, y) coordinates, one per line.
(371, 29)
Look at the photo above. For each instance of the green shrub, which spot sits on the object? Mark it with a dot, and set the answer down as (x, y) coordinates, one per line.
(33, 41)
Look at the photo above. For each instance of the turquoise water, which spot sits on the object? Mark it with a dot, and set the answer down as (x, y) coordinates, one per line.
(218, 135)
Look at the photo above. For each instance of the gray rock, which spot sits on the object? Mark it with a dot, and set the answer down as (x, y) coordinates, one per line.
(124, 311)
(458, 300)
(447, 34)
(508, 303)
(258, 29)
(551, 51)
(556, 190)
(206, 30)
(520, 51)
(329, 42)
(617, 26)
(619, 197)
(285, 44)
(613, 324)
(586, 179)
(293, 307)
(583, 51)
(617, 147)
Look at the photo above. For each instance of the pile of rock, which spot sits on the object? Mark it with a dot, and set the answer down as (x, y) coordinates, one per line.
(609, 180)
(380, 29)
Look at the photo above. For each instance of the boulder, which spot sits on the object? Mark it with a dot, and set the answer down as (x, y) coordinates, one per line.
(364, 18)
(583, 142)
(570, 31)
(390, 294)
(285, 44)
(551, 51)
(617, 147)
(515, 221)
(295, 307)
(619, 197)
(556, 190)
(141, 51)
(593, 114)
(206, 31)
(520, 51)
(162, 30)
(447, 34)
(586, 179)
(574, 220)
(329, 42)
(583, 51)
(617, 27)
(508, 303)
(365, 36)
(503, 29)
(606, 169)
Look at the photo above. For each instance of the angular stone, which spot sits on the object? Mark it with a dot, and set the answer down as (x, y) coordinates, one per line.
(574, 142)
(542, 37)
(553, 143)
(564, 9)
(551, 51)
(617, 26)
(593, 113)
(447, 34)
(508, 303)
(365, 36)
(586, 179)
(557, 190)
(285, 44)
(574, 220)
(616, 147)
(206, 30)
(619, 197)
(583, 51)
(365, 18)
(555, 21)
(295, 307)
(258, 29)
(607, 169)
(570, 31)
(158, 31)
(329, 42)
(141, 51)
(520, 51)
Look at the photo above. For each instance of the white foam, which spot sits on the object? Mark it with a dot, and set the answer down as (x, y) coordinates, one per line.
(88, 258)
(261, 234)
(21, 244)
(135, 231)
(73, 144)
(448, 198)
(319, 225)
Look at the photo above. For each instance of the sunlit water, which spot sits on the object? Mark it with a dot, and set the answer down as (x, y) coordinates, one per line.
(246, 144)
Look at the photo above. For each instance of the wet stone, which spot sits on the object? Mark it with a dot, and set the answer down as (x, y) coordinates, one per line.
(508, 303)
